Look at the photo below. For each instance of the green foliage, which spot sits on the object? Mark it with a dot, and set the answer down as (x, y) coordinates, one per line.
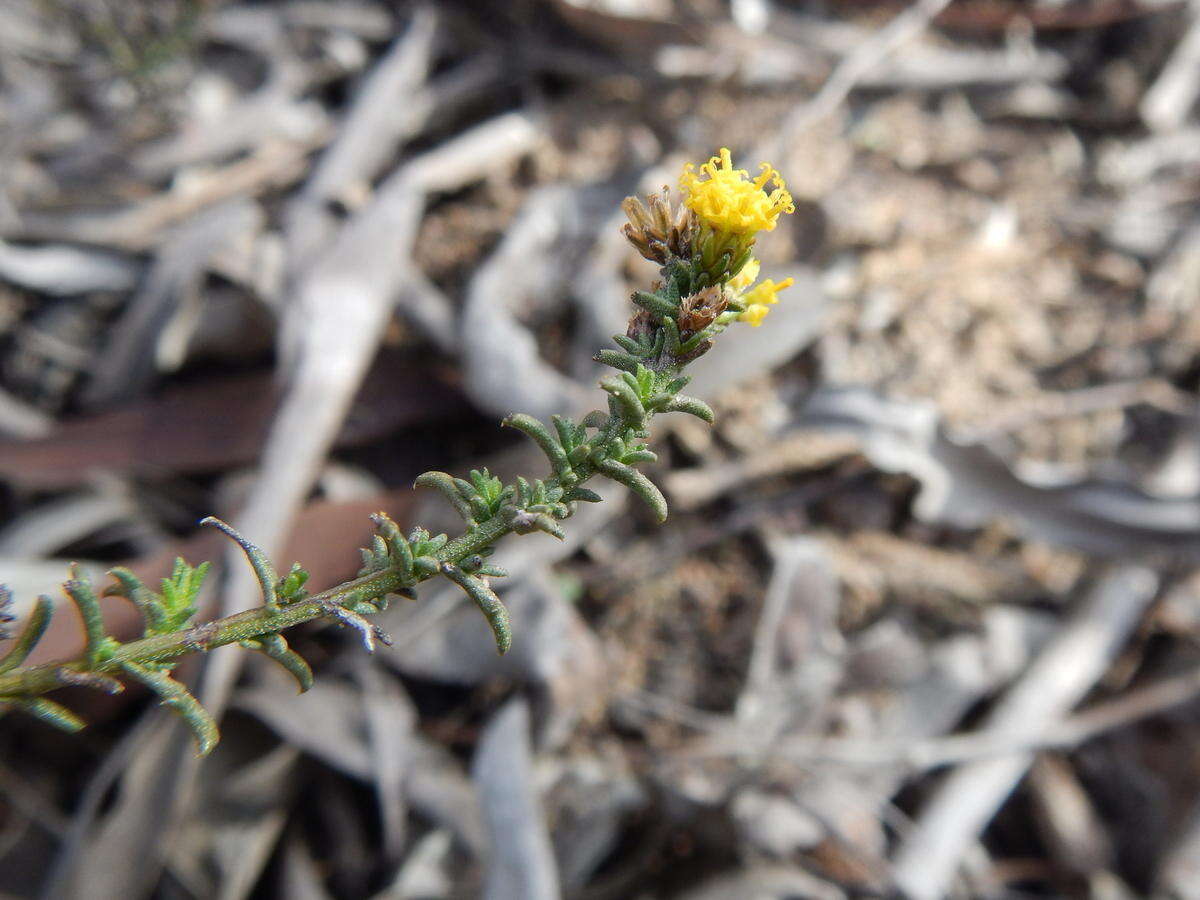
(168, 610)
(179, 592)
(290, 588)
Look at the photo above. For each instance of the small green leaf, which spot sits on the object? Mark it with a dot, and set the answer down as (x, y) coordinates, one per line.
(445, 483)
(425, 566)
(291, 587)
(638, 483)
(43, 610)
(175, 695)
(658, 305)
(51, 712)
(581, 493)
(617, 360)
(79, 589)
(541, 436)
(692, 406)
(276, 647)
(628, 403)
(629, 345)
(595, 419)
(149, 604)
(670, 330)
(180, 593)
(569, 434)
(638, 455)
(398, 547)
(489, 604)
(644, 382)
(262, 567)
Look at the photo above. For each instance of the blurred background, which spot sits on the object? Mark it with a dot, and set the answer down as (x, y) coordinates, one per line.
(924, 619)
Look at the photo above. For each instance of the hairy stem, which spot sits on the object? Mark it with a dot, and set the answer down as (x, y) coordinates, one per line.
(263, 621)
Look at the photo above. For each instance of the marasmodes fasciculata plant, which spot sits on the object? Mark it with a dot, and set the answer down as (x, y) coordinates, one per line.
(704, 248)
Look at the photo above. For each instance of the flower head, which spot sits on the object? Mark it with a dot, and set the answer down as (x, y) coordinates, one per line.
(728, 200)
(699, 310)
(657, 229)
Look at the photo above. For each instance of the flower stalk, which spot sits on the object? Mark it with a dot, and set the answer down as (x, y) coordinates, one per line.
(704, 250)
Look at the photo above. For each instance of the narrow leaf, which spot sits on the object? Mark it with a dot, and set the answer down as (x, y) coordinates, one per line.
(65, 675)
(445, 483)
(581, 493)
(466, 490)
(489, 604)
(366, 631)
(545, 441)
(618, 360)
(568, 432)
(132, 588)
(692, 406)
(479, 508)
(638, 483)
(262, 567)
(79, 589)
(640, 455)
(425, 566)
(595, 419)
(175, 695)
(34, 629)
(179, 594)
(658, 400)
(654, 303)
(632, 411)
(398, 547)
(629, 345)
(51, 712)
(276, 647)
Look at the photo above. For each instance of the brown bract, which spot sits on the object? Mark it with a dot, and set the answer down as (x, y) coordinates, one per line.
(700, 310)
(657, 229)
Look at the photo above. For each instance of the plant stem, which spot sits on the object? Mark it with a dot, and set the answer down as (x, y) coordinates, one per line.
(262, 621)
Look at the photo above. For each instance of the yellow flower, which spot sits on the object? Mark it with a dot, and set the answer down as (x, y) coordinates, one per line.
(744, 278)
(754, 314)
(728, 200)
(761, 298)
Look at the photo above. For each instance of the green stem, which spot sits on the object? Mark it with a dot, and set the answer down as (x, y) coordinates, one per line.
(21, 684)
(253, 623)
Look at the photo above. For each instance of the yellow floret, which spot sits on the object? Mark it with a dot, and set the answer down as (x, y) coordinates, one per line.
(761, 298)
(755, 314)
(744, 278)
(729, 200)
